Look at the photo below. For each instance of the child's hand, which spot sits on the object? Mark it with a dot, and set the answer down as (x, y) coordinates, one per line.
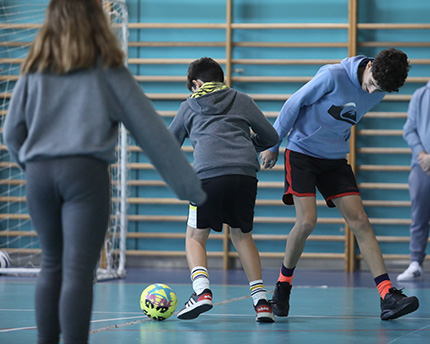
(268, 158)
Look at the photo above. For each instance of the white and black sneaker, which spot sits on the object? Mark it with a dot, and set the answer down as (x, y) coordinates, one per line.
(264, 312)
(196, 305)
(413, 273)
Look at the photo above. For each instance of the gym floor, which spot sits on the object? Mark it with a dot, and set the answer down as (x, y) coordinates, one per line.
(327, 307)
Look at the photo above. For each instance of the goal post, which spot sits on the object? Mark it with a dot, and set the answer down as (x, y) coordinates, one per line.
(19, 22)
(112, 262)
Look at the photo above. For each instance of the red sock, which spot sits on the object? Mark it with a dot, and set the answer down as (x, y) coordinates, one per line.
(283, 278)
(384, 288)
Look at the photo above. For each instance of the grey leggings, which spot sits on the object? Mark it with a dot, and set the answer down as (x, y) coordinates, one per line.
(419, 190)
(69, 204)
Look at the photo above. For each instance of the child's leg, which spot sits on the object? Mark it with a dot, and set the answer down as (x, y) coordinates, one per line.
(201, 300)
(250, 259)
(393, 302)
(68, 200)
(195, 245)
(352, 210)
(248, 253)
(45, 208)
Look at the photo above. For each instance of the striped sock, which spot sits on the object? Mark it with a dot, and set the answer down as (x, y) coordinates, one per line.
(286, 275)
(258, 291)
(200, 279)
(383, 284)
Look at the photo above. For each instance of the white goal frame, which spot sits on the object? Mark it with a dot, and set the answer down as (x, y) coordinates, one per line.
(113, 258)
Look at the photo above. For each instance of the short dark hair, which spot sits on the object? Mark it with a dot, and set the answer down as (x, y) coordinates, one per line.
(205, 69)
(390, 69)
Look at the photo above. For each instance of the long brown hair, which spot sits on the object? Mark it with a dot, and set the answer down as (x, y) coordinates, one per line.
(74, 35)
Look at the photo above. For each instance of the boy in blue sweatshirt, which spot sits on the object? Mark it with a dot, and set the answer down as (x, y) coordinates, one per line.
(317, 120)
(217, 120)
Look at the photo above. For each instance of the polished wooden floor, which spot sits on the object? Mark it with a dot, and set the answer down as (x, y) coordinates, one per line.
(327, 307)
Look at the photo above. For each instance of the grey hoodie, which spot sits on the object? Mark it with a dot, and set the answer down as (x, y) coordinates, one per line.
(78, 114)
(218, 126)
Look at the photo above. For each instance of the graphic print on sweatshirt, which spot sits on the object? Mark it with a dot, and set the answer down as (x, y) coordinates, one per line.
(346, 112)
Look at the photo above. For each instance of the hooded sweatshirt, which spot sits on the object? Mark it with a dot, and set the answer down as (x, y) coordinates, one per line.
(319, 116)
(218, 126)
(416, 130)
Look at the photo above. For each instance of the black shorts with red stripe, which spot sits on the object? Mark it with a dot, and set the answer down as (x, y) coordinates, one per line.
(304, 174)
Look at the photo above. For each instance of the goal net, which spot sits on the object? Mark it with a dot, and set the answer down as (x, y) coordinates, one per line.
(19, 22)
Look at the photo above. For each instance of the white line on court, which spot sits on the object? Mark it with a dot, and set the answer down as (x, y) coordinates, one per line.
(149, 319)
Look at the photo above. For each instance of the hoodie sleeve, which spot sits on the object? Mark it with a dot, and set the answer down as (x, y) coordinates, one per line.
(150, 132)
(410, 129)
(309, 94)
(15, 128)
(177, 127)
(265, 135)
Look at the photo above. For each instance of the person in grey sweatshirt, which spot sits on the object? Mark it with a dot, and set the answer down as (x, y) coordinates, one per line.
(62, 129)
(416, 133)
(217, 120)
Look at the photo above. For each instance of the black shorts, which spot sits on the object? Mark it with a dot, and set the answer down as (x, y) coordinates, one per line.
(230, 200)
(304, 173)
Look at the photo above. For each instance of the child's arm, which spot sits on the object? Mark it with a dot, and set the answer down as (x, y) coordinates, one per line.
(265, 135)
(307, 95)
(15, 129)
(410, 129)
(162, 148)
(177, 126)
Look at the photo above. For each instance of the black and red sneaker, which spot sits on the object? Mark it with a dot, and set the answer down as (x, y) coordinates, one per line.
(396, 304)
(281, 299)
(196, 305)
(264, 312)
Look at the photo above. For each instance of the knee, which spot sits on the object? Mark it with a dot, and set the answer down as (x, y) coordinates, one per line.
(237, 235)
(51, 264)
(199, 235)
(306, 225)
(359, 221)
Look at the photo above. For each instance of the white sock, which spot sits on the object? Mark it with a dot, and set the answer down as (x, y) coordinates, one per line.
(200, 278)
(258, 291)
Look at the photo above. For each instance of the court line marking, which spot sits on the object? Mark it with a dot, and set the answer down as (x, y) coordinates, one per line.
(108, 328)
(426, 328)
(18, 329)
(142, 318)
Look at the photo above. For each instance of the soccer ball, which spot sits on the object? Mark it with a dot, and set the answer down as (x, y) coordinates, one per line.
(158, 301)
(4, 259)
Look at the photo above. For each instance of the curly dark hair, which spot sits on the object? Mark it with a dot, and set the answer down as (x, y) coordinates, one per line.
(205, 69)
(390, 69)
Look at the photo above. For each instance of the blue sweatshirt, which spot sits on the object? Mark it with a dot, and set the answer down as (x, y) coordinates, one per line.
(319, 116)
(416, 130)
(78, 114)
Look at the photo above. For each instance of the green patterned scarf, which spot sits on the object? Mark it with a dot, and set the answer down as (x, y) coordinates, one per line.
(209, 87)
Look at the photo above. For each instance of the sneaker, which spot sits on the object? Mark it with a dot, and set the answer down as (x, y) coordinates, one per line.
(264, 312)
(196, 305)
(395, 304)
(281, 299)
(413, 273)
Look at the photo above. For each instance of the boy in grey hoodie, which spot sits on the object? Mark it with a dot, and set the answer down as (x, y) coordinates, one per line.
(217, 120)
